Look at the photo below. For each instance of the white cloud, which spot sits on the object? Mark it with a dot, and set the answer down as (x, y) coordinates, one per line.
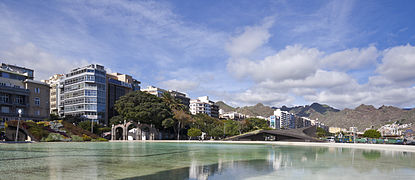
(43, 63)
(398, 64)
(351, 59)
(180, 85)
(252, 38)
(294, 62)
(321, 79)
(251, 97)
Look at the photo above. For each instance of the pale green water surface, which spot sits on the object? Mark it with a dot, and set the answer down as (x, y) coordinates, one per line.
(119, 160)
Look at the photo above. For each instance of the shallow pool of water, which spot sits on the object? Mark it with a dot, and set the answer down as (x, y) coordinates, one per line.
(123, 160)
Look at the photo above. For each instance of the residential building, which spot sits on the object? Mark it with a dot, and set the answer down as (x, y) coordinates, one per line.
(231, 115)
(18, 90)
(182, 97)
(335, 130)
(274, 122)
(117, 85)
(39, 101)
(56, 93)
(85, 92)
(154, 91)
(204, 105)
(286, 119)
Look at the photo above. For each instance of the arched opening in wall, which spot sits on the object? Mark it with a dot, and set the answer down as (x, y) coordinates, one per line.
(118, 133)
(132, 131)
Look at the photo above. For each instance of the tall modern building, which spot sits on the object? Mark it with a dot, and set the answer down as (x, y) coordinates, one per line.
(85, 92)
(282, 120)
(204, 105)
(118, 85)
(56, 93)
(18, 90)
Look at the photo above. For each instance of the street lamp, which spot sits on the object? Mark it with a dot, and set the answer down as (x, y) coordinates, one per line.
(18, 124)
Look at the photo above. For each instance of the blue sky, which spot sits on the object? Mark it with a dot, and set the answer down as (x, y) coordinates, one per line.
(341, 53)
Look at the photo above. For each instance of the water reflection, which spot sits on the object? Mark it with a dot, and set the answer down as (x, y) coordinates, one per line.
(371, 154)
(197, 161)
(302, 162)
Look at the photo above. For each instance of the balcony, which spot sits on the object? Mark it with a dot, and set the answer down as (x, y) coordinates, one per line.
(14, 91)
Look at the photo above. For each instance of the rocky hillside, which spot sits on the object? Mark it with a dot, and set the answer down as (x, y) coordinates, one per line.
(225, 107)
(365, 116)
(306, 111)
(362, 116)
(256, 110)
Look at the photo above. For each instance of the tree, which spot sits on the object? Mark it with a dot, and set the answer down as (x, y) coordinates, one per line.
(143, 107)
(256, 123)
(194, 132)
(372, 133)
(231, 128)
(116, 120)
(320, 132)
(216, 132)
(182, 120)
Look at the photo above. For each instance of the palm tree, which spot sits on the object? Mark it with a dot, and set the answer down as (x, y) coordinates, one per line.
(179, 111)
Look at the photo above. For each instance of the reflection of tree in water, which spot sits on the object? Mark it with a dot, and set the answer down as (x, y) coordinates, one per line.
(371, 155)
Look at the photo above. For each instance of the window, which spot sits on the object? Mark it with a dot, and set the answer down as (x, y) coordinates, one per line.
(4, 98)
(5, 109)
(37, 112)
(37, 101)
(37, 90)
(19, 100)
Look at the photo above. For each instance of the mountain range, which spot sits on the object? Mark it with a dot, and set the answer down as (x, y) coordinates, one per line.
(362, 117)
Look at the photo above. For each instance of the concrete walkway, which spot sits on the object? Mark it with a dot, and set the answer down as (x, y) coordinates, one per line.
(388, 147)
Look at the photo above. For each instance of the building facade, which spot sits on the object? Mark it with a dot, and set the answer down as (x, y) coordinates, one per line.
(39, 101)
(18, 90)
(154, 91)
(232, 115)
(205, 106)
(118, 85)
(182, 97)
(56, 93)
(85, 92)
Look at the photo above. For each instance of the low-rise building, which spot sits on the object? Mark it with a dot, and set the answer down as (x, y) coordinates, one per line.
(182, 97)
(154, 91)
(232, 115)
(336, 130)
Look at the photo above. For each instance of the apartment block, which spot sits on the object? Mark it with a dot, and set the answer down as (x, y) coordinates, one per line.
(232, 115)
(204, 105)
(56, 93)
(118, 85)
(85, 92)
(18, 90)
(154, 91)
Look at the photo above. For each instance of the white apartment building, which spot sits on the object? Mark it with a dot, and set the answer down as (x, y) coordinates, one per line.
(154, 91)
(204, 105)
(286, 119)
(231, 115)
(56, 93)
